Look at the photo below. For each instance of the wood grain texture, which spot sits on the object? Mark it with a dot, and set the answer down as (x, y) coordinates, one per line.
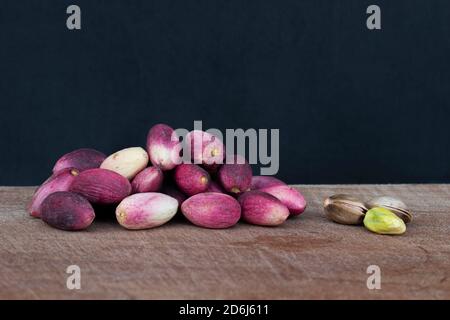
(308, 257)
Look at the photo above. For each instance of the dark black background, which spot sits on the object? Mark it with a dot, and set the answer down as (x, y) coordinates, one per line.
(352, 105)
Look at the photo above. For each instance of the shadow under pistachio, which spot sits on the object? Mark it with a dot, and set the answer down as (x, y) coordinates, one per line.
(105, 213)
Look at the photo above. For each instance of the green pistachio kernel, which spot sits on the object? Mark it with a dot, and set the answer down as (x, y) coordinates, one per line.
(384, 221)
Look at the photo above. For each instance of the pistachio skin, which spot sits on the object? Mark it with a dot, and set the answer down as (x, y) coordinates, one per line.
(59, 181)
(236, 176)
(127, 162)
(67, 211)
(163, 147)
(212, 210)
(383, 221)
(290, 197)
(344, 209)
(262, 209)
(261, 182)
(215, 187)
(191, 179)
(146, 210)
(101, 186)
(205, 148)
(80, 159)
(397, 206)
(148, 180)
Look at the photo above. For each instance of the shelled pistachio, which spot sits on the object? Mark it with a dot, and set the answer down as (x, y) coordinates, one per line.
(383, 221)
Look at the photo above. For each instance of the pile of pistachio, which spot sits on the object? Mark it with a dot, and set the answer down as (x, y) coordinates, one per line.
(382, 215)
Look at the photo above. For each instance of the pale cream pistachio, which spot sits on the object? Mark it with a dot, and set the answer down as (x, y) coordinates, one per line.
(127, 162)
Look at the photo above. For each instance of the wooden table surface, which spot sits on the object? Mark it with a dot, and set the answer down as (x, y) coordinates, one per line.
(308, 257)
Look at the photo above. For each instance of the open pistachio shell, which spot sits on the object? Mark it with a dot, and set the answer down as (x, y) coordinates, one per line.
(344, 209)
(395, 205)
